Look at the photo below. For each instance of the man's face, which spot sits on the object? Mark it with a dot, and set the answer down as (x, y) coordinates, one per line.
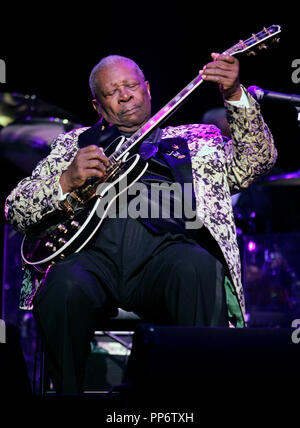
(124, 97)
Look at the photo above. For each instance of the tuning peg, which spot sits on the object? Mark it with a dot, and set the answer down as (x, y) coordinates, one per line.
(251, 53)
(276, 40)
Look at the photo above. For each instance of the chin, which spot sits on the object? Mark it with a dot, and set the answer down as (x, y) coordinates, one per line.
(132, 127)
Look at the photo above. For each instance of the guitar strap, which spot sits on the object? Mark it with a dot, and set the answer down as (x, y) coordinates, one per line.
(105, 137)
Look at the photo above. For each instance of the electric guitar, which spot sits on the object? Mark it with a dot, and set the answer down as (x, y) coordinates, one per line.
(66, 231)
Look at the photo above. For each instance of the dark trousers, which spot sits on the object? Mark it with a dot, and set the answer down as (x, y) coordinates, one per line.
(167, 279)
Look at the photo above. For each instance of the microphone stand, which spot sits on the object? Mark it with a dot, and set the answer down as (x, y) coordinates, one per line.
(298, 114)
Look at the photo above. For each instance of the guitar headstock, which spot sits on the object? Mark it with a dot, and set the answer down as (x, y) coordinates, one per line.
(258, 40)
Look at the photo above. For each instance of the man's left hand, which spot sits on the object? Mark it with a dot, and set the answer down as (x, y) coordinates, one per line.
(224, 69)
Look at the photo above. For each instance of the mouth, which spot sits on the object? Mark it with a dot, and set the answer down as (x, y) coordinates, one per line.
(129, 111)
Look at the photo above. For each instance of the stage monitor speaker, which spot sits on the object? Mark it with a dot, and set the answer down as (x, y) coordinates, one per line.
(181, 363)
(106, 364)
(14, 380)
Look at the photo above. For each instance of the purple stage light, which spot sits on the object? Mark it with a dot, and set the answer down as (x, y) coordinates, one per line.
(251, 246)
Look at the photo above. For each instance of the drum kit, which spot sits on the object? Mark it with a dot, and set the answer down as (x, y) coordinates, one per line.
(28, 126)
(289, 179)
(270, 258)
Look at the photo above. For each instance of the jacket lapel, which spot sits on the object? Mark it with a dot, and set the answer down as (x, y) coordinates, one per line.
(95, 135)
(90, 136)
(177, 155)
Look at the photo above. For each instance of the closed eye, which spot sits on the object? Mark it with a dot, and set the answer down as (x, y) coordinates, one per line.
(133, 85)
(111, 93)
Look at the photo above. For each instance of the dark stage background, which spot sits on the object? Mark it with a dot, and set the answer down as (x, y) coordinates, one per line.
(52, 56)
(54, 64)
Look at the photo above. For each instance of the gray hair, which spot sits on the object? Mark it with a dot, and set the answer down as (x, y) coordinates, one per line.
(105, 62)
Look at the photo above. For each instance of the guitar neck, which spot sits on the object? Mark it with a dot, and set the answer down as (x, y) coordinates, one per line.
(163, 113)
(167, 110)
(158, 118)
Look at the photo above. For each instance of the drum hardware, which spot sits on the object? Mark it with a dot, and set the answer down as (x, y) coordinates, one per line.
(29, 125)
(288, 179)
(271, 277)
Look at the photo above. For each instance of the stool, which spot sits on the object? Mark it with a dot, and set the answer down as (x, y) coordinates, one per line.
(123, 321)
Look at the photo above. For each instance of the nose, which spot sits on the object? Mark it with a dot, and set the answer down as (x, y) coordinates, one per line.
(124, 95)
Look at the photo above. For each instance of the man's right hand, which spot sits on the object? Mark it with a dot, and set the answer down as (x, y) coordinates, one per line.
(88, 162)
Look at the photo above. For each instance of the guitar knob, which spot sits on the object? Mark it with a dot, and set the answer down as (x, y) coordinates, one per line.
(62, 228)
(62, 241)
(75, 224)
(50, 245)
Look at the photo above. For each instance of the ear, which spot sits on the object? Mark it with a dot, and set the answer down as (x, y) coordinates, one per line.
(148, 88)
(96, 105)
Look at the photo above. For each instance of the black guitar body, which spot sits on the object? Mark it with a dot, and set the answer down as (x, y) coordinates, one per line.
(61, 234)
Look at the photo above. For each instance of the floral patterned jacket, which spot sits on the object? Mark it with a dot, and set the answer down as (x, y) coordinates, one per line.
(219, 168)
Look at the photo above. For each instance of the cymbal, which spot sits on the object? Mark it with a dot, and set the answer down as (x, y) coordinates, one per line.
(289, 179)
(13, 98)
(11, 106)
(15, 106)
(25, 143)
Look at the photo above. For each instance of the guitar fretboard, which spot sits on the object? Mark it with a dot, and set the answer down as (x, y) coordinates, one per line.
(170, 108)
